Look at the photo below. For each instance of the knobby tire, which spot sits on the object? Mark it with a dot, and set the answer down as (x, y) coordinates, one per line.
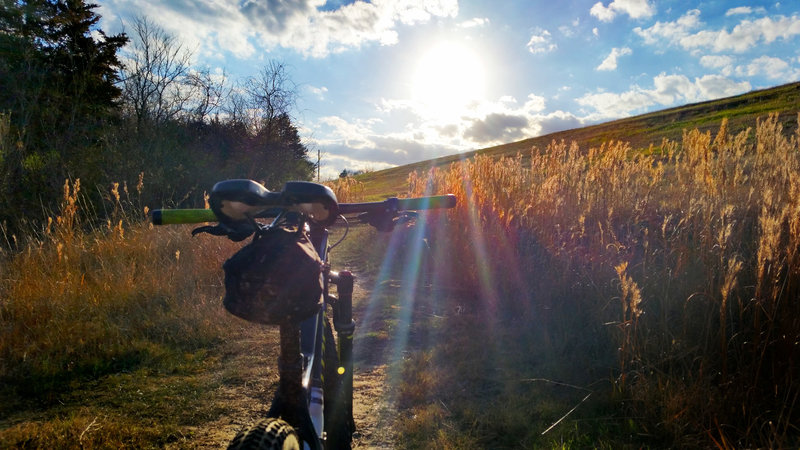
(267, 434)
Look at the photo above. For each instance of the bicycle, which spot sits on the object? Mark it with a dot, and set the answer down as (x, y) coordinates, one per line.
(313, 405)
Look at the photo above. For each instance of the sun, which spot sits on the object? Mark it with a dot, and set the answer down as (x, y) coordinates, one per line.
(448, 78)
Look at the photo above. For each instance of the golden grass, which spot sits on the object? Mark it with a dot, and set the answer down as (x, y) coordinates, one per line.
(684, 259)
(347, 189)
(673, 272)
(79, 303)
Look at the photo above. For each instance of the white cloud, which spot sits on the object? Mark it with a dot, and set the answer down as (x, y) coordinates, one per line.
(770, 67)
(722, 62)
(203, 25)
(570, 30)
(506, 120)
(487, 123)
(667, 90)
(332, 164)
(497, 127)
(746, 35)
(636, 9)
(557, 121)
(610, 63)
(356, 145)
(610, 105)
(502, 127)
(738, 10)
(672, 32)
(602, 13)
(715, 61)
(318, 92)
(475, 22)
(744, 10)
(318, 33)
(541, 42)
(595, 31)
(534, 103)
(242, 27)
(711, 87)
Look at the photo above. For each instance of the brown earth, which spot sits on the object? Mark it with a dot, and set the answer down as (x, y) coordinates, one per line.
(247, 378)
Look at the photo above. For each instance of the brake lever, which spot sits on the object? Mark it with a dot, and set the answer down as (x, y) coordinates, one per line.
(381, 221)
(406, 217)
(385, 221)
(234, 234)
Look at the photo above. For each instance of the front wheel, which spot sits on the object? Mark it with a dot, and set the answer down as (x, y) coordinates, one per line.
(266, 434)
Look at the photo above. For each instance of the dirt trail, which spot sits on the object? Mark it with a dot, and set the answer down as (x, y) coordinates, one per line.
(373, 410)
(248, 377)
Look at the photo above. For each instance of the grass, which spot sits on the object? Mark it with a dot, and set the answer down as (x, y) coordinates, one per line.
(106, 328)
(666, 284)
(113, 334)
(140, 409)
(460, 378)
(674, 262)
(661, 282)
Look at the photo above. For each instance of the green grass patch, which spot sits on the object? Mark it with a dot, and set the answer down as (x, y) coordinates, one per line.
(147, 408)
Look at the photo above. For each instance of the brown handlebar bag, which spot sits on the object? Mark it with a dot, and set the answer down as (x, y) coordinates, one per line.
(276, 278)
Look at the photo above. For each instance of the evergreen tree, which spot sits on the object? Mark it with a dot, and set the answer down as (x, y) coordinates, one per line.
(277, 154)
(60, 71)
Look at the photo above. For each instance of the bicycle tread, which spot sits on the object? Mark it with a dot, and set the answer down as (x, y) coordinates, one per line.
(266, 434)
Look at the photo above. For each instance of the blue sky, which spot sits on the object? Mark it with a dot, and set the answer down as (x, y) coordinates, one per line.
(391, 82)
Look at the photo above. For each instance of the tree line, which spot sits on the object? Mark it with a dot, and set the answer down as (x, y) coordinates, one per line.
(76, 103)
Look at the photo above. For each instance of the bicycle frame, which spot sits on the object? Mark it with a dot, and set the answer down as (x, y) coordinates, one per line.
(299, 396)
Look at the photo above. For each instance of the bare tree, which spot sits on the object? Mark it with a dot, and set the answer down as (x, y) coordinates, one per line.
(208, 92)
(261, 100)
(156, 74)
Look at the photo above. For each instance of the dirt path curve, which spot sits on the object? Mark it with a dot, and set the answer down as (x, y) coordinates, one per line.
(247, 377)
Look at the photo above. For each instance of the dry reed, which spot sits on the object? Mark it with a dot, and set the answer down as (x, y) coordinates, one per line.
(684, 258)
(81, 300)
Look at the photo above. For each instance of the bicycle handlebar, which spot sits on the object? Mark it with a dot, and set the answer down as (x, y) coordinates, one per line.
(400, 204)
(390, 205)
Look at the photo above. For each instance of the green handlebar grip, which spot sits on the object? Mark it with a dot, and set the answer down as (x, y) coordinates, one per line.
(177, 216)
(438, 201)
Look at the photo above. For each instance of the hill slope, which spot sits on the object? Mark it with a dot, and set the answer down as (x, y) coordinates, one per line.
(640, 131)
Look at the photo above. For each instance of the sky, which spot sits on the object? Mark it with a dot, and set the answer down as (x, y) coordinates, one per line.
(391, 82)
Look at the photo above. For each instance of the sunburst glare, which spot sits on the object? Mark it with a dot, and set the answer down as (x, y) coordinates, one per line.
(448, 78)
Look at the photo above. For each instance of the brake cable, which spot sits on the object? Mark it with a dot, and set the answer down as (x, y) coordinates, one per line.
(346, 230)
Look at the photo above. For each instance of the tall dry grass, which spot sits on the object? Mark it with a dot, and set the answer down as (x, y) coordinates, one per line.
(80, 298)
(347, 189)
(679, 264)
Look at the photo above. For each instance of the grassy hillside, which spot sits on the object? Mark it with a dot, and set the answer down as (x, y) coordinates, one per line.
(607, 296)
(640, 131)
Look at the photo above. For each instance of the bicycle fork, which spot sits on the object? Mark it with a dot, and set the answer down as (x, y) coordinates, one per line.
(290, 399)
(345, 327)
